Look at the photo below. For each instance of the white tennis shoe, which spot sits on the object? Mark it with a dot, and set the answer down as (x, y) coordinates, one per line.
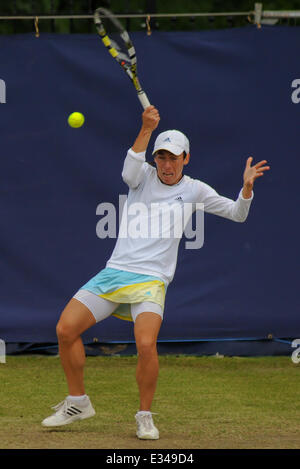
(67, 412)
(146, 430)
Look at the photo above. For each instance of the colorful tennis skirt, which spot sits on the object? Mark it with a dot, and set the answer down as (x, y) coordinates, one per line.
(126, 288)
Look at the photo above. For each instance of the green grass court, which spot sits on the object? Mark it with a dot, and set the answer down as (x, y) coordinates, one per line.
(201, 402)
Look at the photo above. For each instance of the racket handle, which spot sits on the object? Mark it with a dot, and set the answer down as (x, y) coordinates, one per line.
(144, 100)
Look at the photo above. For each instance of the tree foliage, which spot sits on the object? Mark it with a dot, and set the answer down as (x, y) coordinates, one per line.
(76, 7)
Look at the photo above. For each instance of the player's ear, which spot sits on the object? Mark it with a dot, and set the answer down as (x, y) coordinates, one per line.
(186, 159)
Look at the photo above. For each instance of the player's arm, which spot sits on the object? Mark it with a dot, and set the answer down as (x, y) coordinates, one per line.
(150, 120)
(221, 206)
(224, 207)
(134, 168)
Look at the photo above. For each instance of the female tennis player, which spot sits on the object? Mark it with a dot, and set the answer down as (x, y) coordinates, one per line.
(133, 284)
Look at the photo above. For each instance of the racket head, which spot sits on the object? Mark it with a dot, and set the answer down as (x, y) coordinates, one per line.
(116, 39)
(118, 43)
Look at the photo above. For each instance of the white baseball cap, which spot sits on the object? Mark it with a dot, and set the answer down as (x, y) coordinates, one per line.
(172, 140)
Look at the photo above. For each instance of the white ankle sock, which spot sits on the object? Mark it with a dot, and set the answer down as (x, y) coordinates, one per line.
(144, 412)
(81, 400)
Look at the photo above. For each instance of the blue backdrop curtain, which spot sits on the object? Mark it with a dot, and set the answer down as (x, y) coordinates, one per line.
(230, 91)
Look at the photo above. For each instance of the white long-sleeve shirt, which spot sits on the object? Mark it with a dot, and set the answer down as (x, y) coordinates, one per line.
(148, 247)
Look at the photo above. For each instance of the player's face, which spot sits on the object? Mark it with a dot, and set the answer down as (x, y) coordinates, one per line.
(169, 166)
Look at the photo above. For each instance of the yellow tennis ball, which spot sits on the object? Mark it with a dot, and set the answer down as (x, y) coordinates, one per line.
(76, 119)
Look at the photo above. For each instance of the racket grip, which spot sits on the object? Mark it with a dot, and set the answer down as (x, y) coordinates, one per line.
(144, 100)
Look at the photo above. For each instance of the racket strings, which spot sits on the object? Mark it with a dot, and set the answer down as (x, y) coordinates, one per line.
(115, 38)
(118, 43)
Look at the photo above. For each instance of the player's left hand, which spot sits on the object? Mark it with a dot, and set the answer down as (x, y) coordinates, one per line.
(251, 173)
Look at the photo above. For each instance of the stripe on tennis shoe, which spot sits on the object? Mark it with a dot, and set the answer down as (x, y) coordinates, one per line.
(73, 411)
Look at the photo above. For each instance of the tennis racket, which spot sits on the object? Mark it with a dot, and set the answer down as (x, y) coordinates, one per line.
(118, 43)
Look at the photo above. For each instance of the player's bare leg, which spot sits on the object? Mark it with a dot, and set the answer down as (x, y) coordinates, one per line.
(75, 319)
(146, 329)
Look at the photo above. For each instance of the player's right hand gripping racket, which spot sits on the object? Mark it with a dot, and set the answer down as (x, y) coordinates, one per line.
(118, 43)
